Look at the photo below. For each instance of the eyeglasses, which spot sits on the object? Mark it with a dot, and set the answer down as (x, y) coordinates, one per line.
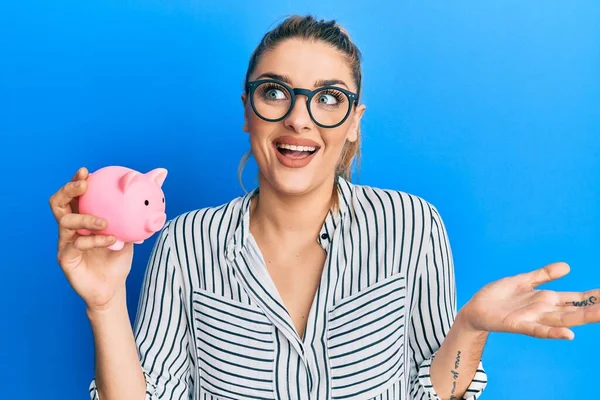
(328, 106)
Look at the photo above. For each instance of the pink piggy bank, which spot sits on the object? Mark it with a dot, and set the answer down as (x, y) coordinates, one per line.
(132, 203)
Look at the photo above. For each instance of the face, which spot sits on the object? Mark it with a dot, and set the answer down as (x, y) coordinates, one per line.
(312, 164)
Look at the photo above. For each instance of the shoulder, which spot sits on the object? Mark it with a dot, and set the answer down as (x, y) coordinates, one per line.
(200, 228)
(392, 203)
(210, 220)
(197, 239)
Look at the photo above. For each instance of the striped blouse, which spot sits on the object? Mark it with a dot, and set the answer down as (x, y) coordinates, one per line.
(211, 325)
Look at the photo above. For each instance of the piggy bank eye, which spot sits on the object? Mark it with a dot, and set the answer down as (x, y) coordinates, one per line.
(146, 202)
(163, 199)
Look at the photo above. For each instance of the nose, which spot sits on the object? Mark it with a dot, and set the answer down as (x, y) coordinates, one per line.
(299, 119)
(156, 222)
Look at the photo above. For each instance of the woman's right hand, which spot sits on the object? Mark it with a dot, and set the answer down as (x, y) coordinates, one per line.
(95, 272)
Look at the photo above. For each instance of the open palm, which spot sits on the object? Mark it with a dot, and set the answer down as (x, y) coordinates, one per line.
(513, 304)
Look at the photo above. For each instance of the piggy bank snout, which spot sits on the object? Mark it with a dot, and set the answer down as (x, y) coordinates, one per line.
(155, 222)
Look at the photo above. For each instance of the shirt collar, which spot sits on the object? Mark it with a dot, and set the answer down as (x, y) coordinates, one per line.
(345, 191)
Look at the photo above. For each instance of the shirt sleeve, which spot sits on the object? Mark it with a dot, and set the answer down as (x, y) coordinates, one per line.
(434, 314)
(161, 330)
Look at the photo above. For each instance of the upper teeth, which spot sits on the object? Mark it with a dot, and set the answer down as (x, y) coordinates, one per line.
(295, 148)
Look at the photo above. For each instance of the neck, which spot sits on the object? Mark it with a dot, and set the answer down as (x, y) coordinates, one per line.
(274, 213)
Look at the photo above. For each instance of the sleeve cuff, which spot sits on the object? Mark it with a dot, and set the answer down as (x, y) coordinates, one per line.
(473, 392)
(150, 389)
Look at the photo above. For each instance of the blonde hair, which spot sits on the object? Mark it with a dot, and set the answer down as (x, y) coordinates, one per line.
(307, 27)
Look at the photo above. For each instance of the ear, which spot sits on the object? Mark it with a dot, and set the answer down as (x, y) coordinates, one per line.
(356, 117)
(127, 179)
(245, 126)
(158, 175)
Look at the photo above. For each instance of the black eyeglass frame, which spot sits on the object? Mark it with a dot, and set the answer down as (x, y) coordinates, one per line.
(352, 99)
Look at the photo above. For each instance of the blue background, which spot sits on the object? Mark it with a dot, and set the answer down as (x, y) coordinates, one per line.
(491, 111)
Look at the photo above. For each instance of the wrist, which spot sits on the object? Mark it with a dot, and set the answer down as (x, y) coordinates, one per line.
(467, 323)
(116, 305)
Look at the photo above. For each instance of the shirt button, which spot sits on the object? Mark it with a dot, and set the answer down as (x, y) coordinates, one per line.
(324, 236)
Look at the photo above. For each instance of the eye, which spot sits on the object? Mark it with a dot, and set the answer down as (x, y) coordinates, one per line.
(146, 202)
(163, 199)
(330, 97)
(272, 91)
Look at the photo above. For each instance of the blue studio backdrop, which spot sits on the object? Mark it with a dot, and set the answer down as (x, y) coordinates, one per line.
(489, 110)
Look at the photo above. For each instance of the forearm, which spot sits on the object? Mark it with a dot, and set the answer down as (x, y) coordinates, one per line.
(456, 362)
(118, 370)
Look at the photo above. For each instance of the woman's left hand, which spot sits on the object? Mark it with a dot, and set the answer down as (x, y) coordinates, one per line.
(513, 304)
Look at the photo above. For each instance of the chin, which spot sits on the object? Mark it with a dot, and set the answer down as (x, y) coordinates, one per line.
(292, 182)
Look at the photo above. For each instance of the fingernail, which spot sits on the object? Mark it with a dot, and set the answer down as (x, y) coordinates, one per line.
(99, 222)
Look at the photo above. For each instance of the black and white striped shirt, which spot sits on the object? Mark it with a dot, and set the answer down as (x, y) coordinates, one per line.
(211, 325)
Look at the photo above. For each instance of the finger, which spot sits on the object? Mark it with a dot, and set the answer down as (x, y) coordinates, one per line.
(84, 243)
(59, 202)
(69, 224)
(82, 221)
(543, 331)
(548, 273)
(576, 316)
(579, 299)
(81, 174)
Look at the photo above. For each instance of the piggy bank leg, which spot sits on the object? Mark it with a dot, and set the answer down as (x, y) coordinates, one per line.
(139, 242)
(118, 245)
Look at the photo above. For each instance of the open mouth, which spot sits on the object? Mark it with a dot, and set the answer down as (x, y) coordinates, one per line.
(295, 152)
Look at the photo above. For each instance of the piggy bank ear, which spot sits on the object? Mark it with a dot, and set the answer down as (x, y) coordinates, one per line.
(127, 179)
(158, 175)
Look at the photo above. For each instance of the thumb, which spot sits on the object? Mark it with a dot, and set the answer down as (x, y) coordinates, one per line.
(69, 257)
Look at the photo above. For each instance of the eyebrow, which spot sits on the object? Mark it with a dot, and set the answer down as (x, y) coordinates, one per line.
(318, 83)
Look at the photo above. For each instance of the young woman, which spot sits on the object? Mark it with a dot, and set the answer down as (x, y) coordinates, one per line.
(310, 286)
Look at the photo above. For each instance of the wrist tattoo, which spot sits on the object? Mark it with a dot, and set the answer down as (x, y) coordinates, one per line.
(587, 302)
(454, 373)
